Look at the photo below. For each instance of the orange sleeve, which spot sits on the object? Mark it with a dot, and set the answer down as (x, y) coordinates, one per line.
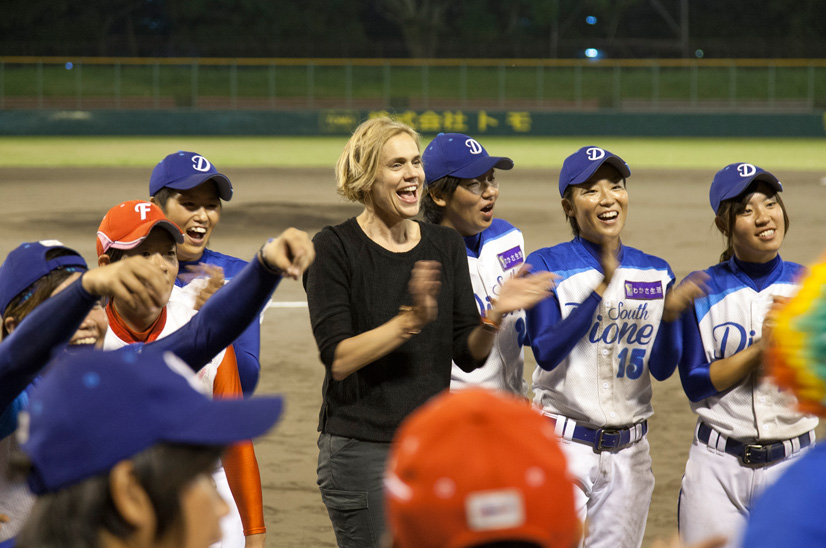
(239, 459)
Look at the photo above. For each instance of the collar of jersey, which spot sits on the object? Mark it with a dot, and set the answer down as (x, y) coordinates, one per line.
(118, 325)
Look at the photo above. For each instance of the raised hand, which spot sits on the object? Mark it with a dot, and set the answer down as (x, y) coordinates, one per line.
(424, 285)
(133, 281)
(292, 253)
(524, 291)
(214, 276)
(692, 287)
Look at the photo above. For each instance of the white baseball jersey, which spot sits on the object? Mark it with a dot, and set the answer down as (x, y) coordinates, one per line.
(730, 318)
(717, 491)
(178, 313)
(604, 380)
(495, 255)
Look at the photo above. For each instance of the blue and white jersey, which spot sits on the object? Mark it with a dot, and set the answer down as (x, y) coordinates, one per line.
(495, 255)
(729, 319)
(248, 345)
(602, 376)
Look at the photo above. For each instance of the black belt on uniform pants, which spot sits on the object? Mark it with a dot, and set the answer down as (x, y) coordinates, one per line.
(754, 453)
(607, 439)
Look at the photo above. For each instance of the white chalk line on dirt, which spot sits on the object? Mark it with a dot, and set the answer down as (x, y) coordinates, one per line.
(287, 304)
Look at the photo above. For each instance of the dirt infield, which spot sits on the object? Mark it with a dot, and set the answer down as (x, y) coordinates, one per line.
(669, 216)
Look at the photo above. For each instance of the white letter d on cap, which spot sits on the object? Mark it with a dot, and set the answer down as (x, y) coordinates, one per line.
(474, 146)
(746, 170)
(143, 208)
(199, 163)
(595, 153)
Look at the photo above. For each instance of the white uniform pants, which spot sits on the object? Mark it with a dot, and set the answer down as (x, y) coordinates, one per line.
(613, 492)
(717, 492)
(232, 530)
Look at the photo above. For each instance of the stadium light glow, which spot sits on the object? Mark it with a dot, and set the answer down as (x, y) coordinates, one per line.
(69, 65)
(699, 53)
(591, 20)
(592, 53)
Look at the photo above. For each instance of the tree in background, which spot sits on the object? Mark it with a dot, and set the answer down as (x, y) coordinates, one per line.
(413, 28)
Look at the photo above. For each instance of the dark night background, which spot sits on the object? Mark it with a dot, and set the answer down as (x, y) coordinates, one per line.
(415, 28)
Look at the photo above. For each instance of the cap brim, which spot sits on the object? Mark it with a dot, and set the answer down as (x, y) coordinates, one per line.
(478, 167)
(221, 181)
(588, 172)
(222, 422)
(131, 243)
(743, 185)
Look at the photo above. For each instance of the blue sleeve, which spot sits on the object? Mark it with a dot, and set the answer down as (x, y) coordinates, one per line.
(694, 369)
(46, 330)
(552, 338)
(666, 350)
(223, 318)
(667, 347)
(247, 349)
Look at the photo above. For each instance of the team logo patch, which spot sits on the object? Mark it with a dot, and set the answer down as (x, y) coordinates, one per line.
(746, 170)
(474, 146)
(595, 153)
(644, 290)
(511, 258)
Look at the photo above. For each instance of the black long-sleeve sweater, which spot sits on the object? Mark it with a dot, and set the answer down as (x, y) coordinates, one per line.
(356, 285)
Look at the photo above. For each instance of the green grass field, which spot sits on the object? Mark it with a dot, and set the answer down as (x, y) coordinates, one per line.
(527, 152)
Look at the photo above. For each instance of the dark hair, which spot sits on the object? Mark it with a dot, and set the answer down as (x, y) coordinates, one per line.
(74, 516)
(731, 208)
(443, 188)
(163, 196)
(115, 254)
(165, 193)
(27, 300)
(569, 191)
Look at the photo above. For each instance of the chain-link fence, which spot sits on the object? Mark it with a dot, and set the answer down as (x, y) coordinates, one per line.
(261, 84)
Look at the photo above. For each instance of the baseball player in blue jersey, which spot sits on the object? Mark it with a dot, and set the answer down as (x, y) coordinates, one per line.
(190, 192)
(135, 279)
(748, 432)
(461, 193)
(597, 341)
(48, 273)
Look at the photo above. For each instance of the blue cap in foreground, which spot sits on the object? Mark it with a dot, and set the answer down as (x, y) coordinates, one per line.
(95, 409)
(184, 170)
(734, 179)
(582, 164)
(27, 264)
(459, 156)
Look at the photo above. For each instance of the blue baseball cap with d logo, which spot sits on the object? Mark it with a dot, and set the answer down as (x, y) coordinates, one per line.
(582, 164)
(459, 156)
(184, 170)
(734, 179)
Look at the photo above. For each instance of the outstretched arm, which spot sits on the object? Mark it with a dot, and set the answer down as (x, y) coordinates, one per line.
(228, 313)
(522, 292)
(52, 323)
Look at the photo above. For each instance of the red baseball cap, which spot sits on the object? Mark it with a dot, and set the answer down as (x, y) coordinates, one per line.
(473, 467)
(126, 225)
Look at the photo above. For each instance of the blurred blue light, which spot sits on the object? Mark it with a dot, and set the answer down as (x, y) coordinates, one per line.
(591, 53)
(69, 66)
(699, 53)
(591, 20)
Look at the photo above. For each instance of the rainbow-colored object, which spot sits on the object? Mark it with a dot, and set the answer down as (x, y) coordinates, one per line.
(797, 354)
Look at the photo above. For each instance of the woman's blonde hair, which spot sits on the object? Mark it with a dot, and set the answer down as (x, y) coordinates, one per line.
(358, 164)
